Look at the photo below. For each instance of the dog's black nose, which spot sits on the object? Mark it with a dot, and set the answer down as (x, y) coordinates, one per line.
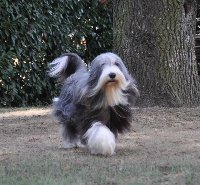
(112, 75)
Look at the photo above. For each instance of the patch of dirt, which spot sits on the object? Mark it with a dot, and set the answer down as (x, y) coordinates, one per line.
(158, 135)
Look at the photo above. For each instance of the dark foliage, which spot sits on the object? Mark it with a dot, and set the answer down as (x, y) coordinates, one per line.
(35, 32)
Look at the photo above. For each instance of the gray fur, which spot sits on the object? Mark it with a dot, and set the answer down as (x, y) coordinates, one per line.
(80, 104)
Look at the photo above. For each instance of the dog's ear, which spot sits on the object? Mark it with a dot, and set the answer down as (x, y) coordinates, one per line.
(133, 92)
(136, 91)
(133, 95)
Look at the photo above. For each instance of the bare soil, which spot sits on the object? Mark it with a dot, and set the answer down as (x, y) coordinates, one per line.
(159, 136)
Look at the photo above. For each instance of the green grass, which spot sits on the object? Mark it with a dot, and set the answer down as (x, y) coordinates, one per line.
(30, 154)
(92, 170)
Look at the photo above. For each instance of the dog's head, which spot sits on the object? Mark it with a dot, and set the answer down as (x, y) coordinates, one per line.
(108, 70)
(109, 74)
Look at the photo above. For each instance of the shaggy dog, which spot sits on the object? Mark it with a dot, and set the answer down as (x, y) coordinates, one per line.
(95, 105)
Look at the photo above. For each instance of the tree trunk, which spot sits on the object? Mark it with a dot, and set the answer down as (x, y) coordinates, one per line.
(156, 41)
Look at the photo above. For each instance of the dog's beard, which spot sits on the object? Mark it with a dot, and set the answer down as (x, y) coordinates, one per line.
(113, 87)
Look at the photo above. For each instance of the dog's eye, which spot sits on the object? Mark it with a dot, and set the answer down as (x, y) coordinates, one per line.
(117, 64)
(102, 64)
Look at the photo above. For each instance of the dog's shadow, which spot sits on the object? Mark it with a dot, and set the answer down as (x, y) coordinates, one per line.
(120, 151)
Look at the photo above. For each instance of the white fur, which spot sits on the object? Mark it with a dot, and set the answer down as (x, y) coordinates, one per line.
(100, 139)
(76, 143)
(55, 100)
(67, 144)
(57, 66)
(113, 92)
(115, 96)
(105, 77)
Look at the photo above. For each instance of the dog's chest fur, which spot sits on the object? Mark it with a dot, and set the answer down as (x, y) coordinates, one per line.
(116, 118)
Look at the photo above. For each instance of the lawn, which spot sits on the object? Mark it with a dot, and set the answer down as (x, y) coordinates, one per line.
(163, 147)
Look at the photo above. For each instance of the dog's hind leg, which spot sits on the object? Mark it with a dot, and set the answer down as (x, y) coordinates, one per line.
(100, 140)
(68, 144)
(72, 143)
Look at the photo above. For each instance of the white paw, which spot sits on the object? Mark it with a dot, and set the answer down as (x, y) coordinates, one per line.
(75, 144)
(100, 140)
(68, 145)
(79, 144)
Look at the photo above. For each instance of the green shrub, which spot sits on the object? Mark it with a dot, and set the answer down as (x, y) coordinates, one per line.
(35, 32)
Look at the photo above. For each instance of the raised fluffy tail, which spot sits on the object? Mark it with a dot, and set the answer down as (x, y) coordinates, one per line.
(65, 65)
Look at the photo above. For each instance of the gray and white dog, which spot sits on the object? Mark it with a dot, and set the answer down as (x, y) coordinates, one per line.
(95, 105)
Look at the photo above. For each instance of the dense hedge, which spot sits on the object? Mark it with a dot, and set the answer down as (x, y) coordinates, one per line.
(34, 32)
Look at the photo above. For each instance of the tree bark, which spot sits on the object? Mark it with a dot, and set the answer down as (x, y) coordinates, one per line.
(156, 40)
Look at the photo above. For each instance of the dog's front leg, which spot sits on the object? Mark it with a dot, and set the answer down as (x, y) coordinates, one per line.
(100, 140)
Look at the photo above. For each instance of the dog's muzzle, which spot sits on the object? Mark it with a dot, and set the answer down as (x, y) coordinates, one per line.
(112, 77)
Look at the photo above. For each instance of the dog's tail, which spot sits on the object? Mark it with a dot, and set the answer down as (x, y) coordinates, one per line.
(65, 65)
(100, 140)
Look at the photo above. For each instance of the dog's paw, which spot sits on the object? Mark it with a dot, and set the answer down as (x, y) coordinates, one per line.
(79, 144)
(75, 144)
(68, 145)
(100, 140)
